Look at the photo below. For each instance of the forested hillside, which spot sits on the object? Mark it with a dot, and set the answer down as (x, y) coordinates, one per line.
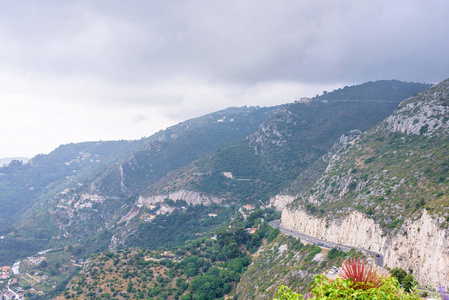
(285, 145)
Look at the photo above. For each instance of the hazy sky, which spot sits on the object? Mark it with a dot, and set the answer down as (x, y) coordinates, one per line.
(73, 71)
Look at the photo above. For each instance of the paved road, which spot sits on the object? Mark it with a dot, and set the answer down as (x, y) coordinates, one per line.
(378, 257)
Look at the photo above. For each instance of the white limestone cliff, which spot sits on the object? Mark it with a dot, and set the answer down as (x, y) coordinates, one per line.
(191, 197)
(420, 245)
(280, 201)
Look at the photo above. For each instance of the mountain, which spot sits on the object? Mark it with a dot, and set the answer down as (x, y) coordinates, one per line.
(22, 184)
(62, 195)
(290, 142)
(387, 190)
(29, 190)
(101, 196)
(178, 146)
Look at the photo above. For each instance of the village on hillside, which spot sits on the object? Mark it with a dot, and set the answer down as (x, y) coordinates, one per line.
(37, 274)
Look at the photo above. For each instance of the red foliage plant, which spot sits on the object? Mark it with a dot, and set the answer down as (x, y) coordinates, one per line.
(364, 276)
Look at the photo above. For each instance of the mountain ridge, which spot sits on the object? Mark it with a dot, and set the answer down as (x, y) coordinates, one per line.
(388, 189)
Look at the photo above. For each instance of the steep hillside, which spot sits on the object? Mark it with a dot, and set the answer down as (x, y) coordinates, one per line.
(388, 190)
(108, 204)
(285, 146)
(177, 146)
(60, 197)
(28, 189)
(286, 261)
(312, 173)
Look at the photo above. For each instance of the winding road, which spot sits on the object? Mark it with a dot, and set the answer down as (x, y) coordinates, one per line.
(378, 257)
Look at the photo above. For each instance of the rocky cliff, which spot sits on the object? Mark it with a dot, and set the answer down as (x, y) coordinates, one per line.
(419, 245)
(191, 197)
(388, 190)
(313, 172)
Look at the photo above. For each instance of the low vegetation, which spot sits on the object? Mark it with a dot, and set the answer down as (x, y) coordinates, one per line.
(356, 280)
(287, 261)
(206, 268)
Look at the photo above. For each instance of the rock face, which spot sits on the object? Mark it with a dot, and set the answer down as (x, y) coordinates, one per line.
(387, 191)
(281, 201)
(270, 133)
(423, 114)
(419, 245)
(307, 178)
(191, 197)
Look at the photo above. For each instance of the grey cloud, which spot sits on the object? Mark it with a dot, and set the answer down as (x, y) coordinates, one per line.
(170, 60)
(230, 41)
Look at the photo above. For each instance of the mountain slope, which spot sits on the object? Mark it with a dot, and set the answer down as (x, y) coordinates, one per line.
(22, 184)
(178, 146)
(388, 190)
(286, 261)
(284, 146)
(52, 199)
(28, 191)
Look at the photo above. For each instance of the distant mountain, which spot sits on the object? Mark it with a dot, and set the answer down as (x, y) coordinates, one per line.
(22, 184)
(388, 190)
(7, 160)
(27, 191)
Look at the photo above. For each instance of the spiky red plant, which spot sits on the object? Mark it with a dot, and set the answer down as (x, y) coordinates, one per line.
(363, 276)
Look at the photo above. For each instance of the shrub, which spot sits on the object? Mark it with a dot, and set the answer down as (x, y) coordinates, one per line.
(399, 274)
(408, 282)
(358, 281)
(340, 288)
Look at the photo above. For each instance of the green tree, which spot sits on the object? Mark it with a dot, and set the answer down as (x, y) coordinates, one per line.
(408, 282)
(399, 274)
(43, 264)
(256, 240)
(233, 250)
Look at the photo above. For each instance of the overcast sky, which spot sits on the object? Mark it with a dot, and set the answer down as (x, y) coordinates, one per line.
(74, 71)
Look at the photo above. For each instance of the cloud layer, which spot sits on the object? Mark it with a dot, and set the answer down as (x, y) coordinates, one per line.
(88, 70)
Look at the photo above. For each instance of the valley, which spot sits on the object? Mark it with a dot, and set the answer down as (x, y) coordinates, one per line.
(242, 200)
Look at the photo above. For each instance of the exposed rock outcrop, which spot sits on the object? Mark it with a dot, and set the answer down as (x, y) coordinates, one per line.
(423, 114)
(191, 197)
(307, 178)
(419, 245)
(270, 133)
(280, 201)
